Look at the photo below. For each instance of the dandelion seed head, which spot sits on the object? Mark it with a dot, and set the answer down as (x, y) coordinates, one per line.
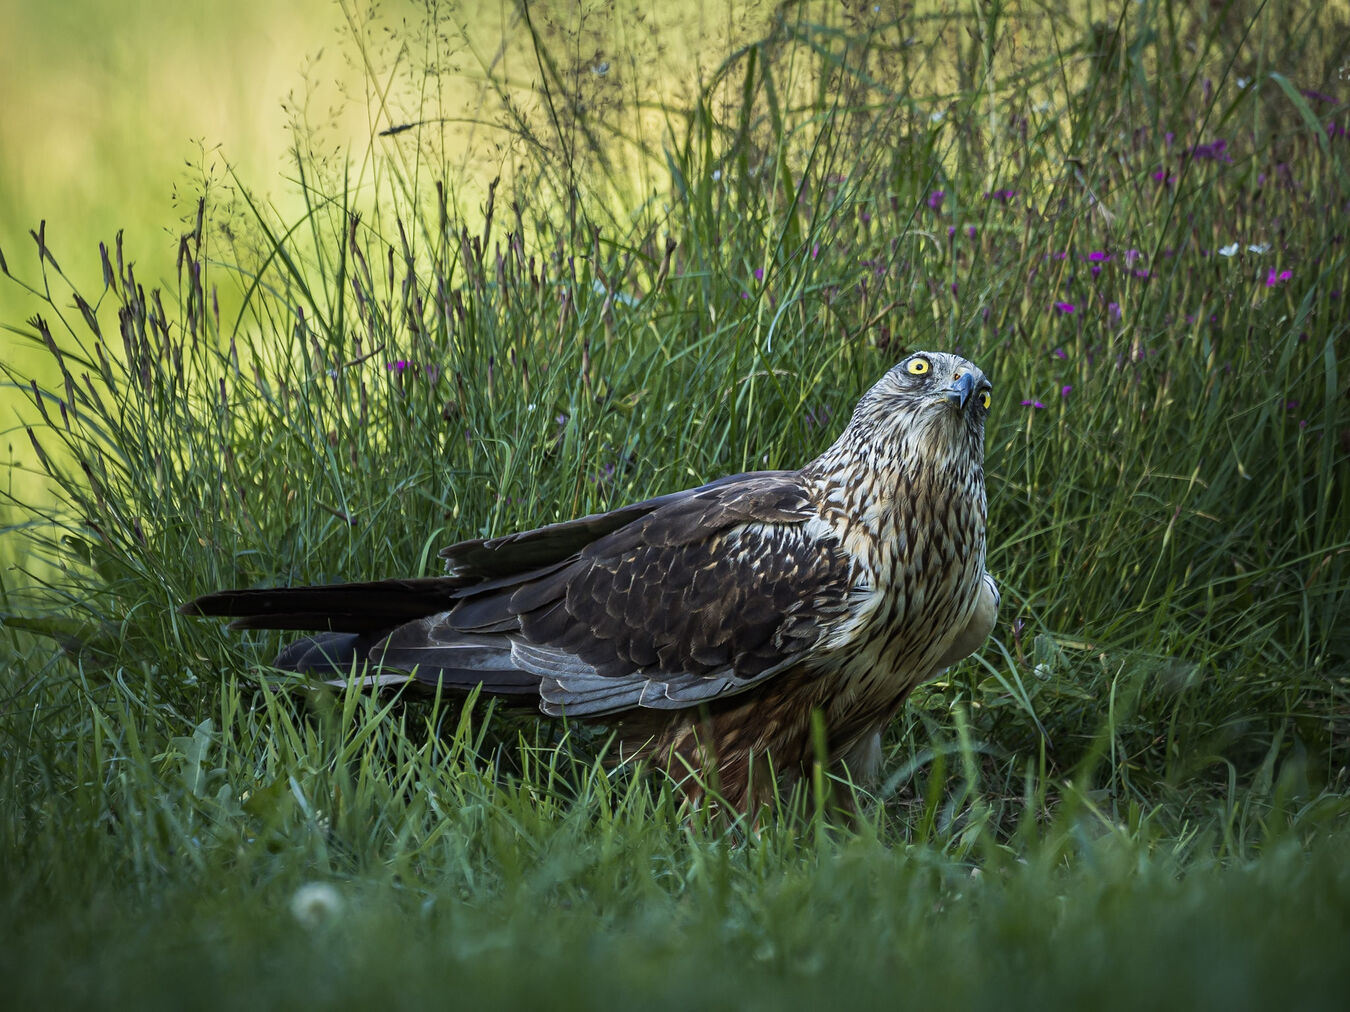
(315, 904)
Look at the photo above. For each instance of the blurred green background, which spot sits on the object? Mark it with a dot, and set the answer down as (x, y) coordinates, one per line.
(116, 113)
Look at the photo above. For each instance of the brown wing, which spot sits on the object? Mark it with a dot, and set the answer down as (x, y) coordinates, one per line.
(702, 596)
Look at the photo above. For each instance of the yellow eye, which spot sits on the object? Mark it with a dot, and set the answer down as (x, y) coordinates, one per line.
(918, 366)
(984, 400)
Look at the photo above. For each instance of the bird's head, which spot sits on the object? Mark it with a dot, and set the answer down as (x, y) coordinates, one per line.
(926, 414)
(930, 402)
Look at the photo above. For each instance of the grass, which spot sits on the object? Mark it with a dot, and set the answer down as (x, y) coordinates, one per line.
(1137, 793)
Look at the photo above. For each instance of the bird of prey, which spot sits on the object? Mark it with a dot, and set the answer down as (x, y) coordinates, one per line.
(707, 627)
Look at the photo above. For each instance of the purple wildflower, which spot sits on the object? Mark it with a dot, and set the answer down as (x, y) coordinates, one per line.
(1216, 151)
(759, 273)
(1273, 279)
(1065, 308)
(1035, 405)
(1065, 390)
(935, 199)
(1098, 256)
(397, 367)
(1060, 354)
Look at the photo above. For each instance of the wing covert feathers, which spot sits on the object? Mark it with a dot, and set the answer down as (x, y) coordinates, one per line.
(700, 597)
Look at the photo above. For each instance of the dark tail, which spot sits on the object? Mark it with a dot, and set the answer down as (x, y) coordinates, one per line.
(372, 607)
(373, 630)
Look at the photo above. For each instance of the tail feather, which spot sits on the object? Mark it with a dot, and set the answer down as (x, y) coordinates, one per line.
(339, 607)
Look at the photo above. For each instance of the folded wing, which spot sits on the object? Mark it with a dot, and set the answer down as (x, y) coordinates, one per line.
(665, 604)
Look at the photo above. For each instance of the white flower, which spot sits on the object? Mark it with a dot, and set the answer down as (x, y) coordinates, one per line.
(1242, 82)
(1261, 248)
(315, 903)
(717, 175)
(1229, 250)
(936, 116)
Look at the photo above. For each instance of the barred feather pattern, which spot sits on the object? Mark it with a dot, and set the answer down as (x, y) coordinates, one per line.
(707, 626)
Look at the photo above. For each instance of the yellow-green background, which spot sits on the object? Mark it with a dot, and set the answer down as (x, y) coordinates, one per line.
(113, 110)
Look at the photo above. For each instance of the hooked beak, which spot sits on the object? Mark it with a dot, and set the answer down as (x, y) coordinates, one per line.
(960, 390)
